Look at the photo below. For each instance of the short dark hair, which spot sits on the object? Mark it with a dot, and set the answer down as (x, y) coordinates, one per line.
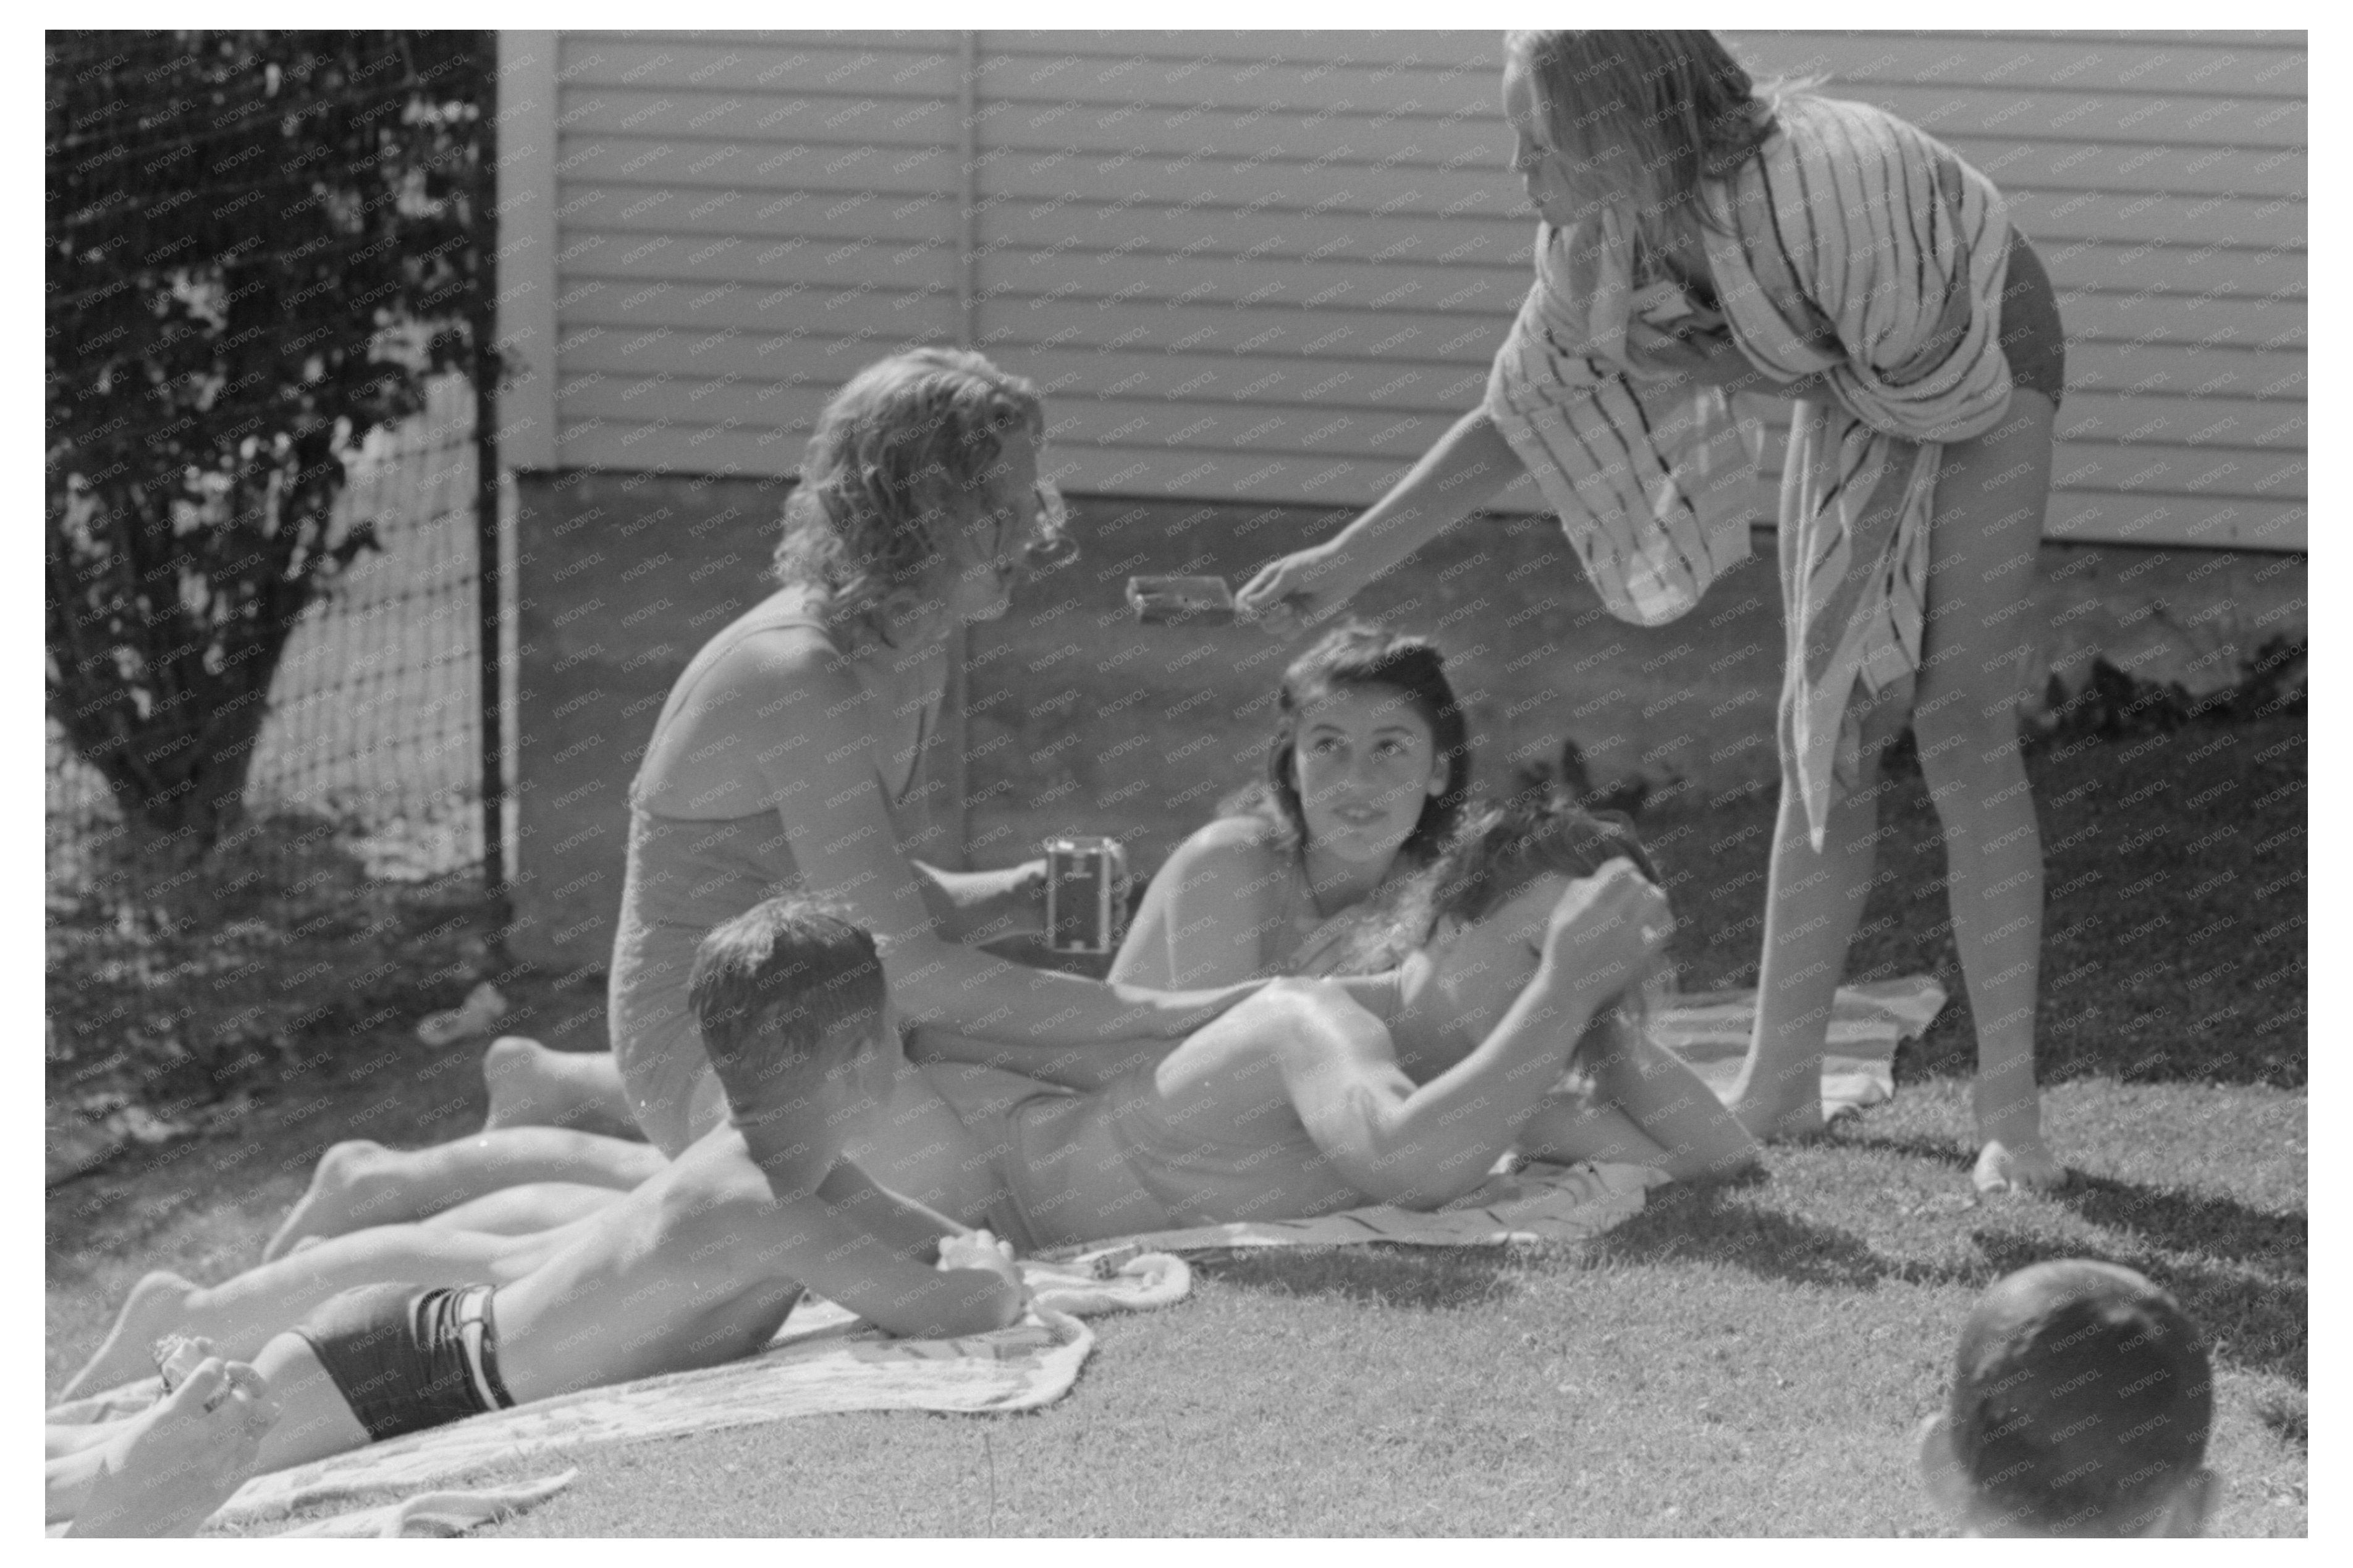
(781, 993)
(2082, 1399)
(1354, 657)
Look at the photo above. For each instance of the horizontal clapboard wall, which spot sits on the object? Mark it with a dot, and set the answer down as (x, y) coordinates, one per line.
(1272, 267)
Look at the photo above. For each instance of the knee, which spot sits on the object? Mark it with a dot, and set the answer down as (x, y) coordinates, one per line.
(509, 1055)
(1293, 998)
(1960, 734)
(352, 1164)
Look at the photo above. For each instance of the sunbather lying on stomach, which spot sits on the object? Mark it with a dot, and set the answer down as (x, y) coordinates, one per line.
(1313, 1097)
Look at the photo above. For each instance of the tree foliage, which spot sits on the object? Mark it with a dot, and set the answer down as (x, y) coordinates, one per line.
(258, 246)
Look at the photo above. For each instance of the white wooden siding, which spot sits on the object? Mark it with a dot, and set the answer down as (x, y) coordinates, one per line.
(1272, 267)
(745, 220)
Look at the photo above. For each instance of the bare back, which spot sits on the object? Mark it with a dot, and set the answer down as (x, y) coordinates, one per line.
(697, 1266)
(741, 696)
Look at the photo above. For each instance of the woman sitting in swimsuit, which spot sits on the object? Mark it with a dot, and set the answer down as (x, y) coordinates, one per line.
(778, 762)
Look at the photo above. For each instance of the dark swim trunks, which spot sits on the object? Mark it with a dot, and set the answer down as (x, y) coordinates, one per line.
(2032, 338)
(406, 1360)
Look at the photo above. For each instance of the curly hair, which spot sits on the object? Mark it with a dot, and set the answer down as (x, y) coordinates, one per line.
(1491, 859)
(892, 466)
(1659, 111)
(1357, 657)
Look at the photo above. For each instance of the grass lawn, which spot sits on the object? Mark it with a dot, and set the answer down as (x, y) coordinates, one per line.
(1747, 1359)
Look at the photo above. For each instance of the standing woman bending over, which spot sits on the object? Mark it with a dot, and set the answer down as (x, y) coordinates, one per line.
(1699, 237)
(1365, 780)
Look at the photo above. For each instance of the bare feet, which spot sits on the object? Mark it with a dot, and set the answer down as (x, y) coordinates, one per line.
(171, 1466)
(2022, 1165)
(532, 1085)
(156, 1305)
(348, 1192)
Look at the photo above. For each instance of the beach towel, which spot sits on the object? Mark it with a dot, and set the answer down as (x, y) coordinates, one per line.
(1854, 246)
(823, 1358)
(1710, 1029)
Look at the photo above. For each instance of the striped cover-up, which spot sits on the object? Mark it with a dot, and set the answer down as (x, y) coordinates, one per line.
(1858, 247)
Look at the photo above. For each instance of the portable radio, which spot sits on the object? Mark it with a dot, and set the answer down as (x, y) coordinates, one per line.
(1085, 887)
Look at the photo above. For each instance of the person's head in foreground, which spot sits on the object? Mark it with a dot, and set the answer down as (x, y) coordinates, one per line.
(2081, 1398)
(1371, 758)
(918, 503)
(790, 1000)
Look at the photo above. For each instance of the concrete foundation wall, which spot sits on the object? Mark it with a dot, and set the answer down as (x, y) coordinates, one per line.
(1080, 720)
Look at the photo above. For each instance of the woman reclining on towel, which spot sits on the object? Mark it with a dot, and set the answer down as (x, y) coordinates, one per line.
(1367, 774)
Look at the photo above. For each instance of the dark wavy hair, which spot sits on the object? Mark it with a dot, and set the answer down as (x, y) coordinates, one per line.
(1659, 111)
(1355, 657)
(1491, 859)
(895, 464)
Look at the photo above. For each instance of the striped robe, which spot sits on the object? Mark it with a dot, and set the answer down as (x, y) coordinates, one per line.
(1857, 247)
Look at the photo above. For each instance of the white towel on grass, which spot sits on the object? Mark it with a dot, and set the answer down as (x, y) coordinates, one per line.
(823, 1358)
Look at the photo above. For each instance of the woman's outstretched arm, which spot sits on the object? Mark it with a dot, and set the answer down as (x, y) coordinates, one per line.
(1467, 467)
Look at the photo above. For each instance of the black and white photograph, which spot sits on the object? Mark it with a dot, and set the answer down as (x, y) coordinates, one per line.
(1337, 780)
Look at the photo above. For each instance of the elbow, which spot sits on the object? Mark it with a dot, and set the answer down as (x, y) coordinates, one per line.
(983, 1304)
(1417, 1177)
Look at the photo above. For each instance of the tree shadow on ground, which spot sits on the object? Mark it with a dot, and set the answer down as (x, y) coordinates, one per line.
(2166, 1218)
(2193, 1222)
(2251, 1321)
(1424, 1278)
(1698, 1225)
(2254, 1318)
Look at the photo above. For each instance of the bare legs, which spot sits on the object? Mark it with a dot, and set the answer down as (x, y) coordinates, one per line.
(242, 1313)
(532, 1085)
(360, 1184)
(1814, 899)
(1990, 496)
